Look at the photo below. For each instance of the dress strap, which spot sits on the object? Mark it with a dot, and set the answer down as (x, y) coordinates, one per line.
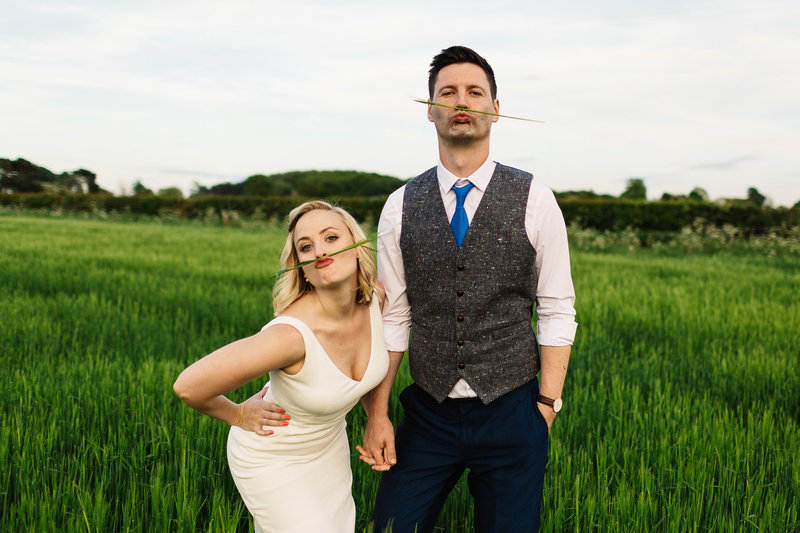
(296, 323)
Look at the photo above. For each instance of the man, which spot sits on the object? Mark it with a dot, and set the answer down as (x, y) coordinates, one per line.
(468, 302)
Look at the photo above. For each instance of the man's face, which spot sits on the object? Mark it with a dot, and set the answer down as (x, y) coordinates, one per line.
(463, 85)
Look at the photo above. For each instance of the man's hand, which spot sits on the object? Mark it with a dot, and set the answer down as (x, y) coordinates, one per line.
(548, 414)
(256, 414)
(378, 450)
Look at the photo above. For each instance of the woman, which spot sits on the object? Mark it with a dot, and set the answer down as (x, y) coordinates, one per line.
(323, 351)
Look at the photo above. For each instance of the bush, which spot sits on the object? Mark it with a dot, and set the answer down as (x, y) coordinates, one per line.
(599, 214)
(613, 214)
(364, 209)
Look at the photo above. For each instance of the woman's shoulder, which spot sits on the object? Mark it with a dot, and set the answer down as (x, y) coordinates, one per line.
(284, 329)
(283, 339)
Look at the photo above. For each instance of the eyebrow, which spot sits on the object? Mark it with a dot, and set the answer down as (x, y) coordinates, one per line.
(473, 86)
(323, 231)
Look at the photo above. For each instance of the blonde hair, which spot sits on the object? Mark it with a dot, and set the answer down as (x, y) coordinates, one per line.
(292, 284)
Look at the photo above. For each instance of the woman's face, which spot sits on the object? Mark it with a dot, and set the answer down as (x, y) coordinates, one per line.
(320, 233)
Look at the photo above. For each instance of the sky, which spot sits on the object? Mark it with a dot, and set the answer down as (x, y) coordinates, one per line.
(174, 94)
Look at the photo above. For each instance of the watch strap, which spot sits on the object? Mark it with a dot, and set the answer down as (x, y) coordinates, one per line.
(545, 400)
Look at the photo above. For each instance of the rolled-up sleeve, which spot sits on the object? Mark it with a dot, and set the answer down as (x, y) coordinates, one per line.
(396, 311)
(555, 294)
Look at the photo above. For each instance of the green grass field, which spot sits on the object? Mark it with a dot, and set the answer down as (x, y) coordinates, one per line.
(682, 402)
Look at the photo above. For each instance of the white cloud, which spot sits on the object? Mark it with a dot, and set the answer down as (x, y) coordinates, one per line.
(626, 89)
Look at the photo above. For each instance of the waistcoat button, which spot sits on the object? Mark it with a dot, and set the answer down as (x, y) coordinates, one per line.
(460, 343)
(461, 365)
(459, 292)
(460, 318)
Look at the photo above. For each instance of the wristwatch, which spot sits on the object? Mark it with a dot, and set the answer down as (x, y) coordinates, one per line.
(555, 404)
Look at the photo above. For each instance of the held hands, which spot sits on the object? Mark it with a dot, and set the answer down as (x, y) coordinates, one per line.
(378, 450)
(255, 414)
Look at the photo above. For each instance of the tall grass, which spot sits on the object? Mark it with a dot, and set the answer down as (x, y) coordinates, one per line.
(681, 403)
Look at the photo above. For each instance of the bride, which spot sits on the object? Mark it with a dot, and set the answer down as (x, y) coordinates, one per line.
(324, 351)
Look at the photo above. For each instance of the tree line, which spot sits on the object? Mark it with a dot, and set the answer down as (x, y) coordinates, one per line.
(22, 176)
(636, 189)
(364, 194)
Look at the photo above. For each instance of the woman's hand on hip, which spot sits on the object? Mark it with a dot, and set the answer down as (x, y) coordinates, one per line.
(257, 414)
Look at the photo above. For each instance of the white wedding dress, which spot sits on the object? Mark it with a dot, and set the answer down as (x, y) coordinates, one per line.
(298, 480)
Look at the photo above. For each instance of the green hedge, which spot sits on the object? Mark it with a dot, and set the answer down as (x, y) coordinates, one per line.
(362, 208)
(602, 214)
(610, 214)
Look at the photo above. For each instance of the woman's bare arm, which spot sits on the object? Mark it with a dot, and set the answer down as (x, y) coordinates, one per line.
(203, 384)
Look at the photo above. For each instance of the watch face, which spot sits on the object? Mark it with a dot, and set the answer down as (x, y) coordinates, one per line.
(557, 405)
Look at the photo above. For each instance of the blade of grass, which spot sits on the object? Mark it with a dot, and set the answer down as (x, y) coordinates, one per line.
(304, 263)
(429, 102)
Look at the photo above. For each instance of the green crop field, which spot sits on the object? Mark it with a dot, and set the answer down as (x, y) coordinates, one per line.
(682, 402)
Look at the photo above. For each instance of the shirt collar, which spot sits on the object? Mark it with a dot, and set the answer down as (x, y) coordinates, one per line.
(480, 178)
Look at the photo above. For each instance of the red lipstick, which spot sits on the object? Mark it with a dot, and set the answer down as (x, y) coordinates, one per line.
(323, 262)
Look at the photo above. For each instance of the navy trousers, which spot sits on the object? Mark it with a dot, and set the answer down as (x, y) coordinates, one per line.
(504, 445)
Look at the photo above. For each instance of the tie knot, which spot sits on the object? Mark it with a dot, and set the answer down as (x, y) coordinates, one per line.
(461, 193)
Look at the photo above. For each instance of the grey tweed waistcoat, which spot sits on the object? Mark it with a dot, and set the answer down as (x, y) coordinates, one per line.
(471, 308)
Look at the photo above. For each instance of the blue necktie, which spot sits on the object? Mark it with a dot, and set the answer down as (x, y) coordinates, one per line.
(459, 223)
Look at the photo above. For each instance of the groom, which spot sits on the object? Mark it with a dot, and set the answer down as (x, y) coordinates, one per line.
(467, 251)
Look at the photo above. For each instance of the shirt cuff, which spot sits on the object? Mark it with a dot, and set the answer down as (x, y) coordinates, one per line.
(556, 332)
(396, 337)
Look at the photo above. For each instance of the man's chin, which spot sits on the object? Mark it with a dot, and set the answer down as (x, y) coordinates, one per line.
(464, 136)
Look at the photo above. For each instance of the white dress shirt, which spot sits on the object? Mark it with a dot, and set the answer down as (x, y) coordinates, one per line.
(547, 233)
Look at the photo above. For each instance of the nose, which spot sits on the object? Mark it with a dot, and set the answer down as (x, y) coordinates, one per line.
(461, 99)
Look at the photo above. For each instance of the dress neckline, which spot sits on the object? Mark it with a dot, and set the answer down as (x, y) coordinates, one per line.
(325, 352)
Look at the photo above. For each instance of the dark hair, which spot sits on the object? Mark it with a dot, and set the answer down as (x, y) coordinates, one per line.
(459, 54)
